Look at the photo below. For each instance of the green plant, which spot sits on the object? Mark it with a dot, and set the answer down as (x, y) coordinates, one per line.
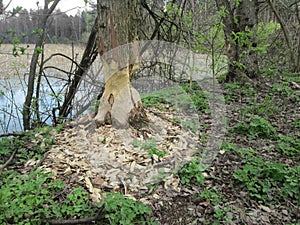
(195, 98)
(191, 124)
(220, 214)
(216, 199)
(267, 181)
(248, 90)
(282, 89)
(35, 197)
(30, 198)
(28, 145)
(265, 108)
(232, 91)
(191, 173)
(236, 90)
(186, 98)
(246, 154)
(59, 128)
(153, 100)
(258, 127)
(95, 105)
(289, 146)
(296, 123)
(212, 196)
(150, 146)
(176, 120)
(121, 210)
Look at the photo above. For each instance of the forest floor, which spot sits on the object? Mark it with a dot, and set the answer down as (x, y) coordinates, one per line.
(255, 178)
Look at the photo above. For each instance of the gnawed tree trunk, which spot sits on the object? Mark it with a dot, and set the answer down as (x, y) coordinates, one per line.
(120, 103)
(240, 19)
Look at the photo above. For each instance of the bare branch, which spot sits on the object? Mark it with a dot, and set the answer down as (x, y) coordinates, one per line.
(8, 161)
(87, 220)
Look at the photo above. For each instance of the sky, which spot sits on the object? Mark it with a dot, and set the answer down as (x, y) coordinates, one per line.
(63, 5)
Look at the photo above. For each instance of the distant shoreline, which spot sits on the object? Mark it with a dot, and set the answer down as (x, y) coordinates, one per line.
(16, 66)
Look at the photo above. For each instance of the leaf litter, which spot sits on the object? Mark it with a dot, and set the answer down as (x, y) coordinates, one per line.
(106, 159)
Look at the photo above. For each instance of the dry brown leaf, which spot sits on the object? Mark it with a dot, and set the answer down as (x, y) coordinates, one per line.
(205, 204)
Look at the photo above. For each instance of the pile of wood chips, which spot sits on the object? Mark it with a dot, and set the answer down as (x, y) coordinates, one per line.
(107, 159)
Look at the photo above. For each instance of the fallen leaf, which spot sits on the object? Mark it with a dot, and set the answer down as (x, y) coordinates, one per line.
(98, 181)
(205, 204)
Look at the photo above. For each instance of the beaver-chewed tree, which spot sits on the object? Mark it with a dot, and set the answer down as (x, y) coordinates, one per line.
(119, 22)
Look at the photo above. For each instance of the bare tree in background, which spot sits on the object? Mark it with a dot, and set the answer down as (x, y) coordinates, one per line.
(288, 16)
(239, 19)
(33, 64)
(1, 7)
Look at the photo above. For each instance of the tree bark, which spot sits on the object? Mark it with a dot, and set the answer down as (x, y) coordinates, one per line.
(120, 104)
(241, 17)
(1, 7)
(287, 37)
(89, 56)
(33, 64)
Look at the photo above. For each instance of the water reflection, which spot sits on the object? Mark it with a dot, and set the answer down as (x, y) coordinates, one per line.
(12, 97)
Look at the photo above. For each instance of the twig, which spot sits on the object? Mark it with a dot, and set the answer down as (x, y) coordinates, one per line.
(41, 161)
(11, 134)
(87, 220)
(8, 161)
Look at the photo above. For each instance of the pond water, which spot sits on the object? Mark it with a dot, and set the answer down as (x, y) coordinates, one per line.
(52, 90)
(12, 97)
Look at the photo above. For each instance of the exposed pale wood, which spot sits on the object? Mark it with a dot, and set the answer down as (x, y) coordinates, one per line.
(120, 102)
